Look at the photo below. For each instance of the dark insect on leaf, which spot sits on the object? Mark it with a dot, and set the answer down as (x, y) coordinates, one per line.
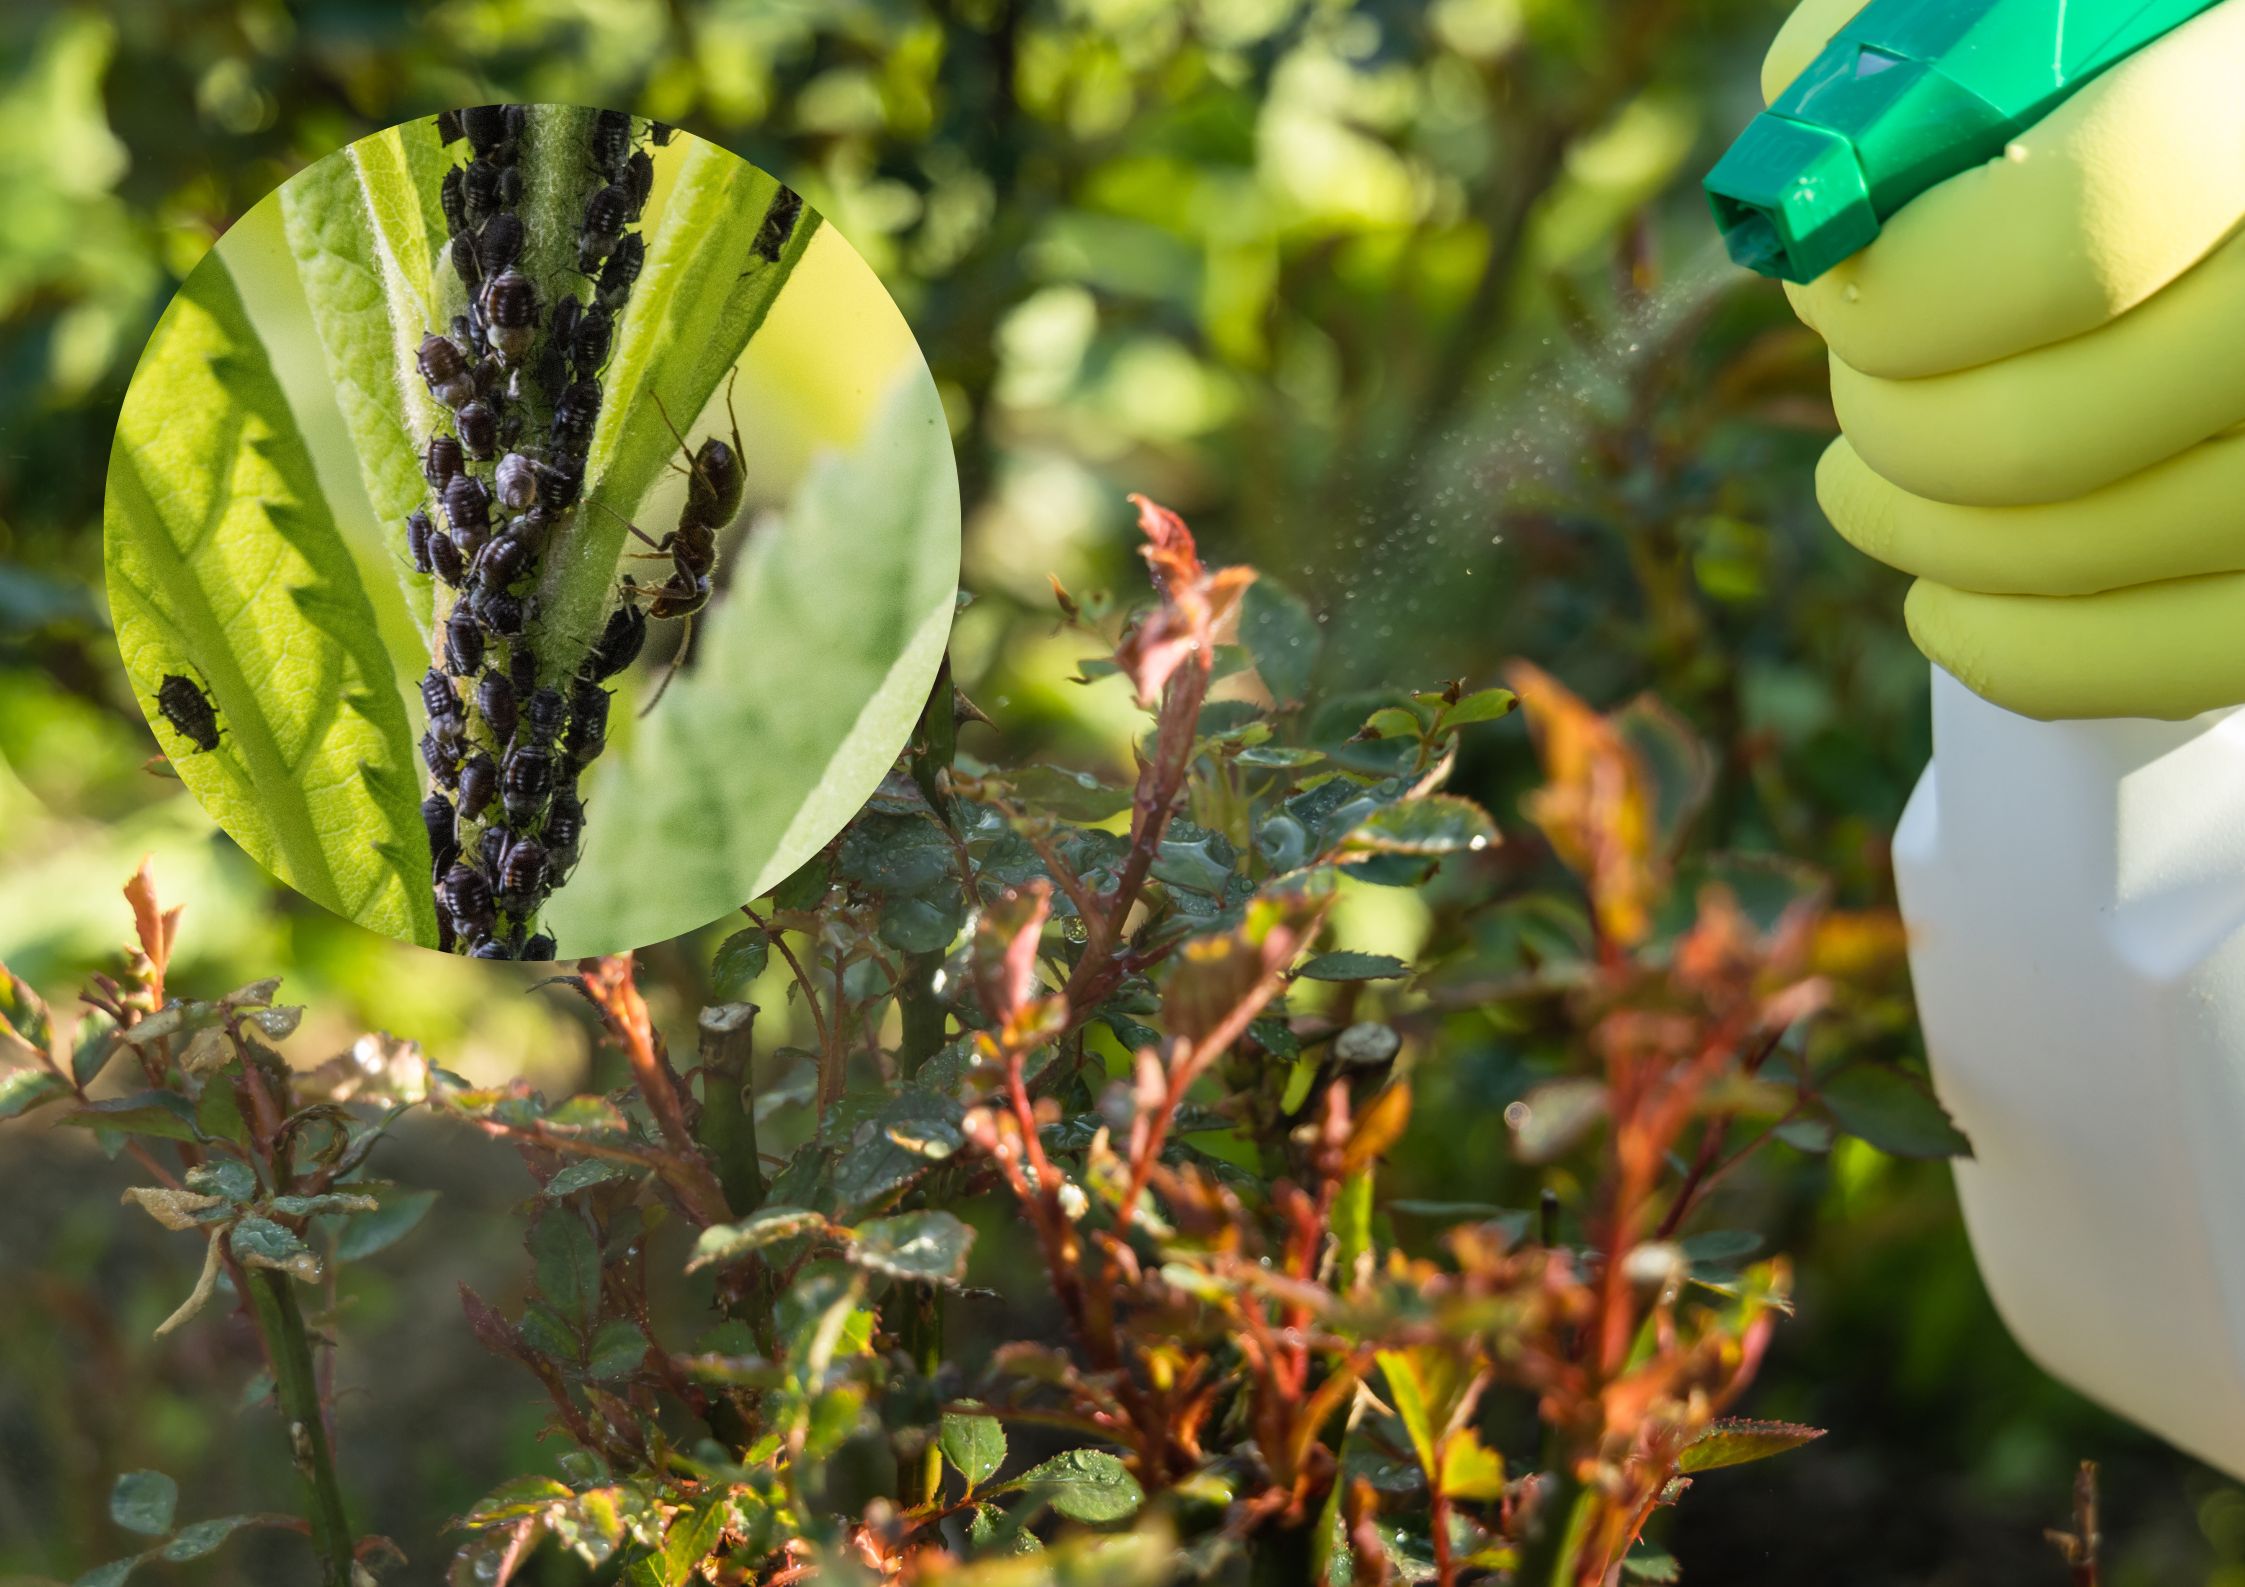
(191, 712)
(525, 779)
(618, 645)
(522, 877)
(496, 700)
(479, 780)
(479, 429)
(463, 643)
(445, 559)
(467, 896)
(779, 224)
(445, 368)
(510, 305)
(611, 140)
(621, 270)
(499, 245)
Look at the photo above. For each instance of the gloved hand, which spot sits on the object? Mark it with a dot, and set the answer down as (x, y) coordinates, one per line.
(2039, 369)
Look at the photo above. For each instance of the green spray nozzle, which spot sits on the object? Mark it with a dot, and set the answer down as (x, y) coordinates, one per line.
(1908, 94)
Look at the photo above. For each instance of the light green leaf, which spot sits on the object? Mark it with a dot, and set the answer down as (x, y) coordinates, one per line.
(870, 640)
(692, 312)
(1084, 1485)
(975, 1445)
(224, 567)
(143, 1502)
(365, 262)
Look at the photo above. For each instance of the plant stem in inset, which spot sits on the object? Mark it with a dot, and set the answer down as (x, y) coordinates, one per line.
(296, 1386)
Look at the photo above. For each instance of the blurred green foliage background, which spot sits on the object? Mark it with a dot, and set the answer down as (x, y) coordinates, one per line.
(1412, 305)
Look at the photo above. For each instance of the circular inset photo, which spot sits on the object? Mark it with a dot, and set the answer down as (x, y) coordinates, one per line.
(531, 532)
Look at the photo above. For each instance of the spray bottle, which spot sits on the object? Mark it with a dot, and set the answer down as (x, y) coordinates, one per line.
(2075, 889)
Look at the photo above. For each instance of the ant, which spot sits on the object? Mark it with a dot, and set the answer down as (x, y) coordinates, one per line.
(714, 484)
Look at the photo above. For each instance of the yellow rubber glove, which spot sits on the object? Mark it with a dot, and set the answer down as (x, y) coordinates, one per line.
(2036, 367)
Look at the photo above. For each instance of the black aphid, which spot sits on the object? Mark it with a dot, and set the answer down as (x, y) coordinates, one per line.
(462, 252)
(446, 559)
(497, 700)
(588, 724)
(564, 830)
(575, 415)
(606, 213)
(525, 779)
(510, 304)
(445, 368)
(622, 269)
(441, 459)
(618, 645)
(538, 948)
(779, 224)
(479, 780)
(522, 670)
(516, 482)
(442, 757)
(488, 948)
(499, 245)
(436, 817)
(452, 195)
(479, 191)
(522, 875)
(534, 527)
(440, 702)
(190, 711)
(661, 132)
(544, 713)
(510, 188)
(562, 477)
(479, 430)
(463, 643)
(467, 330)
(639, 180)
(449, 129)
(501, 562)
(505, 615)
(491, 848)
(611, 140)
(417, 533)
(589, 344)
(467, 507)
(486, 126)
(467, 898)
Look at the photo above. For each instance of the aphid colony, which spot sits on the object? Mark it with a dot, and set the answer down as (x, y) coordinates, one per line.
(520, 383)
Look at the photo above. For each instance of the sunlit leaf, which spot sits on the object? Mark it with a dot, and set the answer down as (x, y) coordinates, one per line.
(1087, 1485)
(1892, 1111)
(1734, 1442)
(225, 567)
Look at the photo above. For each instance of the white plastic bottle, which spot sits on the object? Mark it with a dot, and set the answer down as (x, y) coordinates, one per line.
(2075, 893)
